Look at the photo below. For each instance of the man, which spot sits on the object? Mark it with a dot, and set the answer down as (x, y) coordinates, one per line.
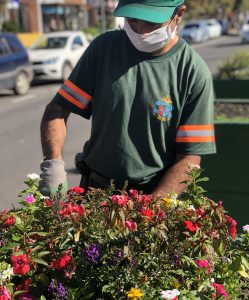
(150, 97)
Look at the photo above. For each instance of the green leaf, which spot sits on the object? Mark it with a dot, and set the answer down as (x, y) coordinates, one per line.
(38, 233)
(244, 262)
(43, 253)
(243, 273)
(42, 297)
(236, 265)
(39, 261)
(87, 297)
(77, 236)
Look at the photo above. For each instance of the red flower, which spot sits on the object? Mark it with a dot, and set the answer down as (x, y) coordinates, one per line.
(190, 226)
(62, 262)
(48, 202)
(20, 264)
(24, 286)
(232, 223)
(10, 221)
(4, 293)
(147, 213)
(77, 190)
(131, 225)
(220, 290)
(69, 209)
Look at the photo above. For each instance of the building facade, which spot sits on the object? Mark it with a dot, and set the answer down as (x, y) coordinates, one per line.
(55, 15)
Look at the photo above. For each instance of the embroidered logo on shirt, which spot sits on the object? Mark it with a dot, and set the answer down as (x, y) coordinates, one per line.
(163, 109)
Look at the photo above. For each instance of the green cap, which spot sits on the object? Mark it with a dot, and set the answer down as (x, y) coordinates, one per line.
(156, 11)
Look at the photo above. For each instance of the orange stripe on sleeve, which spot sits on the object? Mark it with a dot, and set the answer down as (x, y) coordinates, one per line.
(195, 139)
(196, 127)
(71, 99)
(77, 90)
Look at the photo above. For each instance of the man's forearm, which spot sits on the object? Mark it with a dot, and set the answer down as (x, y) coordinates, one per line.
(171, 181)
(53, 131)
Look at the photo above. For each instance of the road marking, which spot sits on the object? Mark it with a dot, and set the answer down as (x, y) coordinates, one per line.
(22, 99)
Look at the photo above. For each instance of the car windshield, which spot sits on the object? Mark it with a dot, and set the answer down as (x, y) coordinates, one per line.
(50, 43)
(191, 26)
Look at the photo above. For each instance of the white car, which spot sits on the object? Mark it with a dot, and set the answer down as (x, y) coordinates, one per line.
(245, 32)
(214, 28)
(55, 54)
(195, 31)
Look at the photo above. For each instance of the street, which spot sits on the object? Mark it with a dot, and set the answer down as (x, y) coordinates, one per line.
(20, 118)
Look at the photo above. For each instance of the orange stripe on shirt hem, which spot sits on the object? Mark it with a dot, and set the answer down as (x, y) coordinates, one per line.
(78, 90)
(195, 139)
(196, 127)
(71, 99)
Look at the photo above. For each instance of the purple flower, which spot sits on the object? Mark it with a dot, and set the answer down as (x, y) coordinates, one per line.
(57, 290)
(26, 296)
(92, 253)
(115, 260)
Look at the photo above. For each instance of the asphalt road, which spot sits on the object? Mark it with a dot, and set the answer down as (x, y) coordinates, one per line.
(20, 121)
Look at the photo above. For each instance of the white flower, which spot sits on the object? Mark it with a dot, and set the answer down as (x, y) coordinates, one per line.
(191, 207)
(7, 273)
(170, 294)
(33, 176)
(194, 167)
(226, 260)
(246, 228)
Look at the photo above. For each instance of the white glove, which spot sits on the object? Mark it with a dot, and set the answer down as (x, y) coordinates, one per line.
(53, 177)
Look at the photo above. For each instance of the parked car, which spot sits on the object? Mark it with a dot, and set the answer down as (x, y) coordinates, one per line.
(214, 28)
(15, 67)
(245, 32)
(55, 54)
(195, 31)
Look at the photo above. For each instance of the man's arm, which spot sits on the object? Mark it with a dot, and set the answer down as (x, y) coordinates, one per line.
(53, 131)
(171, 181)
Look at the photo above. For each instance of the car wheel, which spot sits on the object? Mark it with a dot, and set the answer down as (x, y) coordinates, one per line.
(66, 70)
(22, 84)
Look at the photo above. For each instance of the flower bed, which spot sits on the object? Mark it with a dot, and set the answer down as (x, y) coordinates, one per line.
(119, 244)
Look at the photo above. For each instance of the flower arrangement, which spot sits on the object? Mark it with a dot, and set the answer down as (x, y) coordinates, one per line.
(121, 244)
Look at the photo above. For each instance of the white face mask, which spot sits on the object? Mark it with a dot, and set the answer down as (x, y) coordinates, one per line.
(152, 41)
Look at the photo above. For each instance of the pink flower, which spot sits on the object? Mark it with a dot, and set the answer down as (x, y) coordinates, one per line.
(220, 290)
(30, 199)
(133, 193)
(202, 263)
(4, 293)
(120, 199)
(131, 225)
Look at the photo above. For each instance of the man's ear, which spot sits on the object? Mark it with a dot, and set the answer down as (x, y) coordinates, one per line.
(180, 14)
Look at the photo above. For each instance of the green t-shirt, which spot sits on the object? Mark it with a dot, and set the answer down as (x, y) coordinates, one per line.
(145, 109)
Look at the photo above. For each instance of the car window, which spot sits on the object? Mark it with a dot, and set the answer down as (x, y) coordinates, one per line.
(4, 46)
(78, 41)
(14, 44)
(50, 43)
(191, 26)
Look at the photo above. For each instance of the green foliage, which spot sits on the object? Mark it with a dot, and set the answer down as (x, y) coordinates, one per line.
(235, 67)
(10, 26)
(119, 244)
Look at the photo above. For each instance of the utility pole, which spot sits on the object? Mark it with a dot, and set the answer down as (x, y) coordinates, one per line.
(103, 15)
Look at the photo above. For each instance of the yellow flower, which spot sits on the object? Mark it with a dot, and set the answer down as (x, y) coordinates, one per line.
(171, 200)
(134, 294)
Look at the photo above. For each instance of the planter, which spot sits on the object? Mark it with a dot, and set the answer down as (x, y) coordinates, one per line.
(231, 89)
(228, 170)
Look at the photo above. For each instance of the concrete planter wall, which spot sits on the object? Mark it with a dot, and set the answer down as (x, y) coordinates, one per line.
(228, 170)
(231, 88)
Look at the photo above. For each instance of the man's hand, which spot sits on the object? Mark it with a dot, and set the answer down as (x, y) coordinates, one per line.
(53, 177)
